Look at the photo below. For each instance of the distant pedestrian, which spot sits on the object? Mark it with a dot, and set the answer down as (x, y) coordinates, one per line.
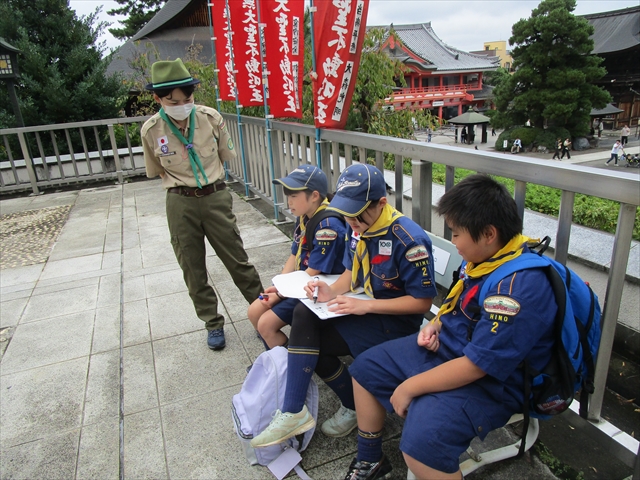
(527, 123)
(558, 149)
(600, 128)
(463, 135)
(614, 153)
(624, 139)
(428, 135)
(493, 132)
(566, 149)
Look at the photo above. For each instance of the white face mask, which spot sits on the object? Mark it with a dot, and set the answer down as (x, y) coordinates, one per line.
(179, 112)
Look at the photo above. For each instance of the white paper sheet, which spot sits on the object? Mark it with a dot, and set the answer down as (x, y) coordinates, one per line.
(292, 284)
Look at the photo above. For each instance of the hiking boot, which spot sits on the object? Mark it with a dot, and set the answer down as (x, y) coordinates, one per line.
(284, 426)
(368, 470)
(215, 340)
(341, 424)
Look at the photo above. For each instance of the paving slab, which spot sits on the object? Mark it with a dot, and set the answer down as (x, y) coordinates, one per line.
(57, 304)
(174, 314)
(101, 401)
(99, 451)
(140, 392)
(11, 311)
(144, 449)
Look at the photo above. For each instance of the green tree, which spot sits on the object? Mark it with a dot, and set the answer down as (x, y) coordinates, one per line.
(63, 75)
(555, 71)
(139, 13)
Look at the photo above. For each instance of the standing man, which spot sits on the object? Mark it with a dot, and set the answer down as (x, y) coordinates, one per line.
(624, 136)
(186, 146)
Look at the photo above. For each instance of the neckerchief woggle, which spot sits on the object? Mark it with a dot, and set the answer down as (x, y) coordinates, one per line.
(303, 230)
(361, 259)
(193, 156)
(507, 253)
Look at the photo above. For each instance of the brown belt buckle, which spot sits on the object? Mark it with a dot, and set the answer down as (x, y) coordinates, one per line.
(195, 192)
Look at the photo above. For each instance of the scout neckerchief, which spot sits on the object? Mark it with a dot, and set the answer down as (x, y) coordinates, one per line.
(361, 259)
(507, 253)
(303, 228)
(188, 144)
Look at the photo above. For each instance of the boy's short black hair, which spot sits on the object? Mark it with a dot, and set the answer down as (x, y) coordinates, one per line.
(477, 202)
(307, 191)
(165, 92)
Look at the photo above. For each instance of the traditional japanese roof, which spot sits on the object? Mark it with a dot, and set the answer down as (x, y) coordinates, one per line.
(615, 31)
(177, 25)
(424, 49)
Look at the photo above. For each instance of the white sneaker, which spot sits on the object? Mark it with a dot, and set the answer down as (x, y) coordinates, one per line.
(284, 426)
(342, 423)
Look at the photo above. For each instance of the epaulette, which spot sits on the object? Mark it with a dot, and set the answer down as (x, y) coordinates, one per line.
(400, 232)
(148, 124)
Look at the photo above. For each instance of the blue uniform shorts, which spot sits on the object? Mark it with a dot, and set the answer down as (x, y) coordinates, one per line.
(439, 427)
(362, 332)
(284, 309)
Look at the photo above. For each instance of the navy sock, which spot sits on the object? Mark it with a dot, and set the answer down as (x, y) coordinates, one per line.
(369, 446)
(302, 362)
(340, 383)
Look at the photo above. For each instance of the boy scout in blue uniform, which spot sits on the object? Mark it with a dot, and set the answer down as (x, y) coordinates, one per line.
(459, 377)
(388, 255)
(186, 145)
(306, 189)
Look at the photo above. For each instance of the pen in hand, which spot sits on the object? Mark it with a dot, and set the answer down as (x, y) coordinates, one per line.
(315, 290)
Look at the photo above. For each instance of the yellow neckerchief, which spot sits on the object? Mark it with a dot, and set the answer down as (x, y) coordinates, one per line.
(303, 229)
(510, 251)
(361, 259)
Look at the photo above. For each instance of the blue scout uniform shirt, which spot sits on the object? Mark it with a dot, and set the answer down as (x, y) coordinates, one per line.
(515, 322)
(328, 246)
(401, 261)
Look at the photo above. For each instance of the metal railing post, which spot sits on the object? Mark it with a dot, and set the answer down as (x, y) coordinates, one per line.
(611, 310)
(422, 197)
(565, 218)
(116, 156)
(33, 179)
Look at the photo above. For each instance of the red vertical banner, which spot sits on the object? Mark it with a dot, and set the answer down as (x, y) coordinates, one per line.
(284, 55)
(224, 50)
(238, 50)
(339, 30)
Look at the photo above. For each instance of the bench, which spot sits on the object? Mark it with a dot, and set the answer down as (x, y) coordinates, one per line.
(446, 260)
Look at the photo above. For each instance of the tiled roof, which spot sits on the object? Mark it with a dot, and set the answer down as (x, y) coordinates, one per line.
(423, 41)
(166, 13)
(615, 31)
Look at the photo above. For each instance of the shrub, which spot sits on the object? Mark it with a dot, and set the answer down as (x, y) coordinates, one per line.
(531, 137)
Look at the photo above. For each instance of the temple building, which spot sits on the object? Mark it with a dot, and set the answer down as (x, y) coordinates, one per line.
(441, 78)
(617, 40)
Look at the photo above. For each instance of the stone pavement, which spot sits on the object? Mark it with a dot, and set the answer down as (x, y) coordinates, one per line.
(109, 298)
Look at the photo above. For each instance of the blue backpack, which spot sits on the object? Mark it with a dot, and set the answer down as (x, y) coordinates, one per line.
(577, 333)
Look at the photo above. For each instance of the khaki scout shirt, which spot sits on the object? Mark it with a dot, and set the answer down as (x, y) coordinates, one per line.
(165, 153)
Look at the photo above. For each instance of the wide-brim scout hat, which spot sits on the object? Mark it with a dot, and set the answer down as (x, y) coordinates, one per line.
(305, 177)
(170, 74)
(358, 186)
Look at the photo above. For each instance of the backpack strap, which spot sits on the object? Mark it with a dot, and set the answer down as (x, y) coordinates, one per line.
(313, 223)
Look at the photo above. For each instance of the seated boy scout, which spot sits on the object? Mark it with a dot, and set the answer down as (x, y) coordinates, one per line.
(460, 377)
(186, 144)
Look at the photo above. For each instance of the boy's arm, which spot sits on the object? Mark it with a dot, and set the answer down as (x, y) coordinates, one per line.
(290, 264)
(453, 374)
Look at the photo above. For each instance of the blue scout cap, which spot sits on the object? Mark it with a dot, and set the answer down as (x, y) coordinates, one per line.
(305, 177)
(357, 187)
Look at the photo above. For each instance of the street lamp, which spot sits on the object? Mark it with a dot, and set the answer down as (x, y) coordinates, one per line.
(8, 73)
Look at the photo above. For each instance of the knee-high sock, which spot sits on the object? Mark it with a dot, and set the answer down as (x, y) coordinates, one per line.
(369, 446)
(340, 383)
(302, 362)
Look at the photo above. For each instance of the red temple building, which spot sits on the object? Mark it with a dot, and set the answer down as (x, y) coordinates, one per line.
(441, 78)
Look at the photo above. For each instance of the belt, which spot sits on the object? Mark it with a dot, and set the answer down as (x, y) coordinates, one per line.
(198, 192)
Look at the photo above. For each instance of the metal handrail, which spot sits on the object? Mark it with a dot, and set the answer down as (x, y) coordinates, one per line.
(295, 143)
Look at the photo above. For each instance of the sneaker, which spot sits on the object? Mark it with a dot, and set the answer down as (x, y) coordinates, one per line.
(284, 426)
(341, 424)
(606, 163)
(368, 470)
(215, 340)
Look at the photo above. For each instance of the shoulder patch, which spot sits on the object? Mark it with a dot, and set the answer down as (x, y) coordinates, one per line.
(501, 304)
(326, 235)
(419, 252)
